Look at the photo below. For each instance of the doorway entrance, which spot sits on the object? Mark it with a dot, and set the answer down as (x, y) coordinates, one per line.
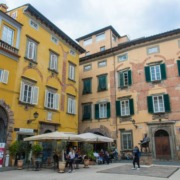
(3, 125)
(162, 145)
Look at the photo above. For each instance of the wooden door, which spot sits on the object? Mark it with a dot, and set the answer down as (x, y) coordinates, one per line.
(162, 145)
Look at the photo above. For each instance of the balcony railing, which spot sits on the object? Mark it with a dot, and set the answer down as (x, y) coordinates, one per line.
(8, 48)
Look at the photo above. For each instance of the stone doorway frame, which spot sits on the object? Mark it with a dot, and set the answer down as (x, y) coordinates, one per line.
(167, 126)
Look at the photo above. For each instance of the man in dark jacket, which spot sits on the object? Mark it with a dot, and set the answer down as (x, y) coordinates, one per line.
(136, 157)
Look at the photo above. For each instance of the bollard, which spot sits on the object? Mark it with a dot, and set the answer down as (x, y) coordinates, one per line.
(7, 160)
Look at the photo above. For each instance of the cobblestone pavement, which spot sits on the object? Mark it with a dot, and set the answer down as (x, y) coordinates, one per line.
(94, 172)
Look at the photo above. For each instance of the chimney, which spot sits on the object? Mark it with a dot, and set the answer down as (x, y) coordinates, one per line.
(3, 7)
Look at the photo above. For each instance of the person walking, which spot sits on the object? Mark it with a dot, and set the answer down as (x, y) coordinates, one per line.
(136, 157)
(71, 156)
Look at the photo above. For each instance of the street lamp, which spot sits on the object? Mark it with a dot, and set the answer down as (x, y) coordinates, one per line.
(36, 114)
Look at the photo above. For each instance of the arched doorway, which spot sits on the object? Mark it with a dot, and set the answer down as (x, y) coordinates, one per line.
(99, 146)
(162, 145)
(3, 125)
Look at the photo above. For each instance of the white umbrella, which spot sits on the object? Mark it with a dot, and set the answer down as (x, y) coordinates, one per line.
(91, 137)
(54, 136)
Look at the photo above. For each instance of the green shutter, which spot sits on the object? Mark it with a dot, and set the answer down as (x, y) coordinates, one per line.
(163, 71)
(129, 78)
(108, 110)
(147, 74)
(167, 103)
(131, 105)
(150, 104)
(87, 112)
(96, 111)
(87, 86)
(178, 64)
(118, 108)
(121, 79)
(102, 83)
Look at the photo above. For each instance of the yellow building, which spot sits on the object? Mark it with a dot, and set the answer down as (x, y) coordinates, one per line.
(131, 88)
(10, 31)
(45, 79)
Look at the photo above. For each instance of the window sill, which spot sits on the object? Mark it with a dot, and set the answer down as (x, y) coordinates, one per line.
(71, 80)
(26, 104)
(70, 113)
(30, 60)
(53, 71)
(102, 90)
(85, 120)
(125, 118)
(86, 93)
(156, 82)
(124, 87)
(55, 110)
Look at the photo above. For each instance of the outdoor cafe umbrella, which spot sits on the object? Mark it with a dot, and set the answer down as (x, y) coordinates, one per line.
(91, 137)
(55, 136)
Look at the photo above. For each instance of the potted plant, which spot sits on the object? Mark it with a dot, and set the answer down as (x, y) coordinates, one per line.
(13, 149)
(22, 152)
(87, 149)
(61, 148)
(36, 151)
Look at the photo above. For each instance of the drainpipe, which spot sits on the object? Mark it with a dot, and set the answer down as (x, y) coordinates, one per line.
(116, 124)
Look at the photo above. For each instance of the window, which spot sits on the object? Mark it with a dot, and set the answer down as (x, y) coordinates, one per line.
(14, 15)
(87, 86)
(102, 48)
(102, 83)
(114, 38)
(125, 78)
(71, 105)
(155, 72)
(87, 67)
(100, 37)
(102, 63)
(53, 65)
(34, 24)
(152, 50)
(87, 41)
(178, 66)
(122, 57)
(29, 93)
(125, 107)
(158, 103)
(86, 114)
(4, 74)
(87, 53)
(126, 140)
(102, 110)
(31, 50)
(8, 35)
(71, 71)
(51, 99)
(72, 52)
(54, 39)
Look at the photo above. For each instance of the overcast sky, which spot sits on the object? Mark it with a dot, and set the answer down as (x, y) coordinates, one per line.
(135, 18)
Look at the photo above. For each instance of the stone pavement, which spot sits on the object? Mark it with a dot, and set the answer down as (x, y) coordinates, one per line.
(95, 172)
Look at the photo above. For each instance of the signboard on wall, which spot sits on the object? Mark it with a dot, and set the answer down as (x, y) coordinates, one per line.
(2, 149)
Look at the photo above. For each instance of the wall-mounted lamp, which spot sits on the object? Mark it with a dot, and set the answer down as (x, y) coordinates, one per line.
(36, 114)
(134, 123)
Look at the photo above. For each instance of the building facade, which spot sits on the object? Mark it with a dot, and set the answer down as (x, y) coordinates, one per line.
(131, 89)
(44, 77)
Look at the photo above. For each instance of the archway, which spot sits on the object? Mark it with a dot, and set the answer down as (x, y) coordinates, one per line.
(99, 146)
(162, 145)
(3, 125)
